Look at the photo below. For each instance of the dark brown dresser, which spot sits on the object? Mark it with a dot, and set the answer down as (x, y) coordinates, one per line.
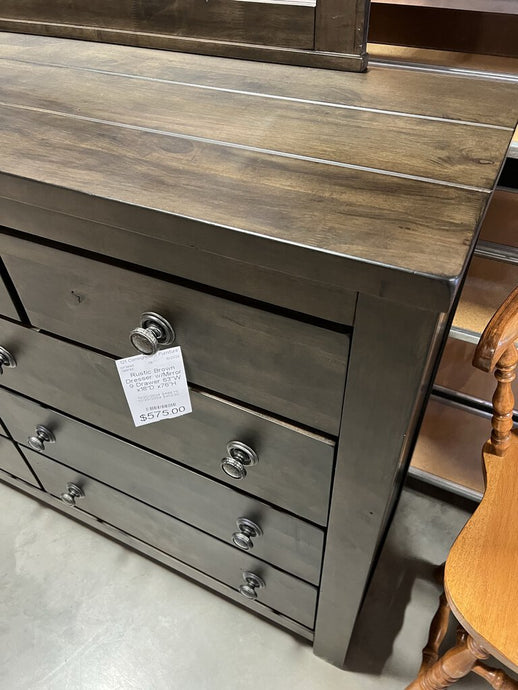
(305, 234)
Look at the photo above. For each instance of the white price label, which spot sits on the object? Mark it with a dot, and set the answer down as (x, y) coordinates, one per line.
(155, 386)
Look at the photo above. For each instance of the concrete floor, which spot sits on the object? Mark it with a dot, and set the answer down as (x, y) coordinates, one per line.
(80, 612)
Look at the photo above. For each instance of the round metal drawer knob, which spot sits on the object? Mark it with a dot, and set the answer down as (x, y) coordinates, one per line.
(248, 530)
(239, 457)
(6, 360)
(154, 332)
(41, 437)
(252, 583)
(72, 494)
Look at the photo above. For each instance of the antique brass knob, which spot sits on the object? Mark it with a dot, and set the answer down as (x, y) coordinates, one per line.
(41, 436)
(154, 332)
(6, 360)
(72, 494)
(239, 457)
(252, 583)
(247, 531)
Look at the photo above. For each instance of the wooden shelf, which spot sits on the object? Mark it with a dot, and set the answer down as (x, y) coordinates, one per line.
(498, 6)
(457, 373)
(493, 65)
(450, 443)
(487, 285)
(499, 233)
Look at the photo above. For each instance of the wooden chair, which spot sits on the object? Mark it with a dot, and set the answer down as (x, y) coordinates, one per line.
(481, 571)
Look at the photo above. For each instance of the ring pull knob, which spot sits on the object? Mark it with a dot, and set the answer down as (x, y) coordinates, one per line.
(6, 360)
(247, 531)
(72, 494)
(239, 457)
(41, 436)
(154, 332)
(252, 583)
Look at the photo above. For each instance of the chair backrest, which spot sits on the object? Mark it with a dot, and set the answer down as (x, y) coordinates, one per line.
(496, 350)
(482, 568)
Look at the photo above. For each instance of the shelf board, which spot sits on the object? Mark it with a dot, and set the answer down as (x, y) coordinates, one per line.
(488, 283)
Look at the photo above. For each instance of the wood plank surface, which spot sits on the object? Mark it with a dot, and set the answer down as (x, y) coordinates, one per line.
(406, 91)
(410, 146)
(302, 156)
(410, 224)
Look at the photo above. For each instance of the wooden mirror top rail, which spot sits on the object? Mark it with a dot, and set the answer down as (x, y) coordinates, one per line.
(371, 182)
(320, 33)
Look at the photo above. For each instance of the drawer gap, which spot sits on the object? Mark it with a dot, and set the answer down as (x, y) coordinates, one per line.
(184, 282)
(173, 517)
(167, 459)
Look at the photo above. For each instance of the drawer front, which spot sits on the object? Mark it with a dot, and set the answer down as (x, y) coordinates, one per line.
(284, 593)
(7, 307)
(294, 468)
(285, 366)
(457, 372)
(12, 462)
(286, 541)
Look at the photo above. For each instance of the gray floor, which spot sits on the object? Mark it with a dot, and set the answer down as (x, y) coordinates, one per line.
(80, 612)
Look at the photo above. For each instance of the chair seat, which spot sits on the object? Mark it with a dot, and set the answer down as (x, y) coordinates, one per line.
(481, 575)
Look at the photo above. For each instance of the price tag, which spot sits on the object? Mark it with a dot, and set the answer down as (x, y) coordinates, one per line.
(155, 386)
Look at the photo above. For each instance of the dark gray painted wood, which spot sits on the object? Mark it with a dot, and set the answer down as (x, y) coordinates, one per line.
(7, 307)
(12, 462)
(158, 556)
(389, 367)
(284, 593)
(294, 469)
(273, 362)
(287, 542)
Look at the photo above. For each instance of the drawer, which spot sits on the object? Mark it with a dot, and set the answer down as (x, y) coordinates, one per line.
(286, 541)
(12, 462)
(280, 364)
(501, 222)
(457, 372)
(450, 443)
(7, 307)
(284, 593)
(294, 467)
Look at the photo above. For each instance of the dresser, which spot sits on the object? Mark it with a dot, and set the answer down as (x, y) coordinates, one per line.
(302, 234)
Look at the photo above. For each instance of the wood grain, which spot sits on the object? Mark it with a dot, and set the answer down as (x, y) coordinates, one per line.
(410, 146)
(444, 28)
(288, 367)
(406, 223)
(340, 25)
(449, 444)
(501, 222)
(246, 22)
(487, 285)
(457, 373)
(482, 567)
(407, 91)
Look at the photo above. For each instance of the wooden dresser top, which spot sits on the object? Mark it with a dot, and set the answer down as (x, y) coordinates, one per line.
(391, 169)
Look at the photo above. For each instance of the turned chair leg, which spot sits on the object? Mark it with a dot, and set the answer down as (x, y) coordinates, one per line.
(497, 679)
(438, 630)
(454, 665)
